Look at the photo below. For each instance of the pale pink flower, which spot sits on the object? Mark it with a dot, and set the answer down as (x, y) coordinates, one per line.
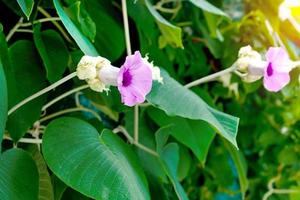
(276, 73)
(134, 79)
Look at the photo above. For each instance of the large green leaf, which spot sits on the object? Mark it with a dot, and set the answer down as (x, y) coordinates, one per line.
(82, 41)
(195, 134)
(177, 100)
(24, 77)
(26, 6)
(205, 5)
(3, 100)
(18, 176)
(241, 167)
(53, 52)
(170, 159)
(170, 34)
(45, 185)
(101, 167)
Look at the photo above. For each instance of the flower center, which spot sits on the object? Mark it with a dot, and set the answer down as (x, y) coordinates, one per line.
(127, 78)
(269, 69)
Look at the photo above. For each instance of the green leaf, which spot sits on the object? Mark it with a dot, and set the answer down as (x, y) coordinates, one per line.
(45, 185)
(177, 100)
(26, 6)
(82, 41)
(195, 134)
(101, 167)
(3, 101)
(241, 167)
(18, 176)
(205, 5)
(53, 52)
(170, 160)
(58, 186)
(24, 78)
(80, 15)
(170, 34)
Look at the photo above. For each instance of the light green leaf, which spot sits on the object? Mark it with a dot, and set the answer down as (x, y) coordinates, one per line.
(24, 77)
(45, 185)
(170, 160)
(26, 6)
(18, 176)
(241, 167)
(177, 100)
(101, 167)
(82, 41)
(53, 52)
(195, 134)
(206, 6)
(170, 34)
(3, 100)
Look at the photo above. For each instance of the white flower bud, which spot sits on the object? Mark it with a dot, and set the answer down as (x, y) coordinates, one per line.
(109, 75)
(86, 68)
(96, 85)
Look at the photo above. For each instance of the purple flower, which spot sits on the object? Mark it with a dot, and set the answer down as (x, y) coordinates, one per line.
(276, 73)
(134, 79)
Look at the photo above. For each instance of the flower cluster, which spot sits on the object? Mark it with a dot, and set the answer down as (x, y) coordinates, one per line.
(133, 79)
(274, 68)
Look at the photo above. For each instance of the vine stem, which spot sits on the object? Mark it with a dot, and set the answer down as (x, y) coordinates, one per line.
(212, 76)
(64, 95)
(58, 26)
(70, 110)
(41, 92)
(131, 140)
(48, 19)
(25, 140)
(129, 52)
(14, 29)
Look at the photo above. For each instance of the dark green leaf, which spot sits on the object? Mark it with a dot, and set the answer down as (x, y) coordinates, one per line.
(205, 5)
(45, 185)
(53, 52)
(177, 100)
(58, 186)
(24, 79)
(26, 6)
(82, 41)
(101, 167)
(18, 176)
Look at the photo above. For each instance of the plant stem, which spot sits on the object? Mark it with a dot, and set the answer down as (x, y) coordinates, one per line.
(41, 92)
(64, 95)
(48, 19)
(70, 110)
(25, 140)
(129, 52)
(58, 26)
(211, 77)
(14, 29)
(122, 130)
(24, 30)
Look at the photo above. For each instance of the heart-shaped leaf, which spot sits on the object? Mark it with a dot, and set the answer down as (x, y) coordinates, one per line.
(101, 167)
(18, 176)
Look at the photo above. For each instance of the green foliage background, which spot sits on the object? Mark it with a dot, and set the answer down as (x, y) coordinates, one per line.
(198, 153)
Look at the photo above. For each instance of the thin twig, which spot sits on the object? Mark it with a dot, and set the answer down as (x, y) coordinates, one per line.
(20, 30)
(13, 30)
(50, 19)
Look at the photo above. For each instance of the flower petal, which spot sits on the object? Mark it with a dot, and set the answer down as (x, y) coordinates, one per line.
(279, 59)
(277, 81)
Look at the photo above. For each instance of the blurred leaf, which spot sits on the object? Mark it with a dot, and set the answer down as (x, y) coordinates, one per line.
(24, 79)
(18, 176)
(205, 5)
(59, 187)
(185, 163)
(197, 135)
(45, 185)
(26, 6)
(82, 41)
(177, 100)
(170, 34)
(101, 167)
(79, 14)
(170, 159)
(3, 100)
(241, 167)
(53, 52)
